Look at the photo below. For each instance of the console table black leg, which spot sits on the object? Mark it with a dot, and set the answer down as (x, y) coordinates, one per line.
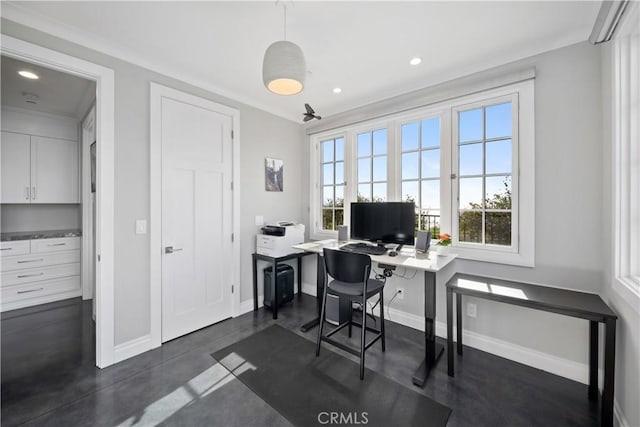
(255, 283)
(593, 360)
(459, 322)
(609, 372)
(450, 332)
(432, 351)
(319, 290)
(274, 293)
(299, 277)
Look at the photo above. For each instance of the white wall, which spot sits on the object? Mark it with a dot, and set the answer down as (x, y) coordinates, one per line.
(569, 252)
(261, 133)
(40, 217)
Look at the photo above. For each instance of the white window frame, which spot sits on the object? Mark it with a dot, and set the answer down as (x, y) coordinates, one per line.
(523, 181)
(626, 162)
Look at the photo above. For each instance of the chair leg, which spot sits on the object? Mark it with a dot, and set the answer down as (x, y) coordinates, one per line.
(322, 318)
(350, 316)
(382, 318)
(364, 331)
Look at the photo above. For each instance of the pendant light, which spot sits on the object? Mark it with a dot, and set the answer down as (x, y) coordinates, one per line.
(283, 67)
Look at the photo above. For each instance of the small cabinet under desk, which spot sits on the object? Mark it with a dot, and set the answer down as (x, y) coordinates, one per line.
(38, 271)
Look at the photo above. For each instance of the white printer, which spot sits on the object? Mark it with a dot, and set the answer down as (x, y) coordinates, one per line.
(276, 240)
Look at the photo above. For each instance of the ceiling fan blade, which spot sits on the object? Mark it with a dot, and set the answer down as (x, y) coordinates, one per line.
(309, 109)
(317, 117)
(307, 118)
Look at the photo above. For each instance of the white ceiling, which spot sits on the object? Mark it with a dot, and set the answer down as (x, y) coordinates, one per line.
(58, 93)
(362, 47)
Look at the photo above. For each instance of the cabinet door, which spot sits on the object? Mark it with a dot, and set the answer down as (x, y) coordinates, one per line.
(15, 162)
(54, 170)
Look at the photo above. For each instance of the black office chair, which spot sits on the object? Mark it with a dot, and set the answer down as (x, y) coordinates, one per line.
(350, 272)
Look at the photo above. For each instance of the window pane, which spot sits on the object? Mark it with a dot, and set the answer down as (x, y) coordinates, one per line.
(431, 164)
(364, 192)
(470, 125)
(339, 218)
(410, 192)
(498, 121)
(339, 195)
(498, 228)
(498, 156)
(431, 194)
(380, 192)
(410, 165)
(380, 142)
(340, 149)
(364, 170)
(470, 159)
(327, 174)
(498, 190)
(431, 133)
(364, 144)
(470, 227)
(470, 193)
(327, 219)
(410, 136)
(327, 151)
(339, 172)
(380, 168)
(327, 196)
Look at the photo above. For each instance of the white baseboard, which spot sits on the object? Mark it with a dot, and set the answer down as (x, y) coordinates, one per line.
(132, 348)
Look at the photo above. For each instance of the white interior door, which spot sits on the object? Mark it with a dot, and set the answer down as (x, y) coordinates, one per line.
(196, 217)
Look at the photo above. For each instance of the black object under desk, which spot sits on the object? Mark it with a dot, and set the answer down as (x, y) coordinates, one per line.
(561, 301)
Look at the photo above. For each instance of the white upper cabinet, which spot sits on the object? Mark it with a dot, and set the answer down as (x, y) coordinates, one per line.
(54, 170)
(16, 166)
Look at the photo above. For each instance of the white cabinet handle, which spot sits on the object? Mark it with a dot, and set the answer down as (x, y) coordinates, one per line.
(33, 193)
(6, 249)
(26, 193)
(57, 244)
(22, 276)
(30, 290)
(30, 260)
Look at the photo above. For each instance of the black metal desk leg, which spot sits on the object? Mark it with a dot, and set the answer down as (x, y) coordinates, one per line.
(299, 277)
(432, 350)
(450, 332)
(274, 293)
(459, 322)
(319, 289)
(593, 360)
(609, 372)
(255, 283)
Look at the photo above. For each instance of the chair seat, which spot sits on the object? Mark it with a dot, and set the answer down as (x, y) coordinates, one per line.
(355, 289)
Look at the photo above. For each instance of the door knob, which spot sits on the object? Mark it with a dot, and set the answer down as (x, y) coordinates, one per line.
(170, 250)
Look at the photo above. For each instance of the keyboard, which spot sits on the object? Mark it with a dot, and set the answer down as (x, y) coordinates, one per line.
(364, 248)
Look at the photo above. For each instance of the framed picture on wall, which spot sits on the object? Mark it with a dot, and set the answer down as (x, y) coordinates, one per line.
(92, 155)
(273, 174)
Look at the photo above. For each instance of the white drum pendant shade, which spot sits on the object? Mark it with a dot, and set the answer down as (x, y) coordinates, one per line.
(283, 68)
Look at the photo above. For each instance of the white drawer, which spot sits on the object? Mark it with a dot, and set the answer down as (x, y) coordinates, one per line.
(15, 247)
(18, 277)
(55, 245)
(39, 260)
(34, 290)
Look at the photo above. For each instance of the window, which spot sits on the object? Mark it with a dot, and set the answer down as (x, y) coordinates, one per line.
(372, 166)
(468, 165)
(333, 183)
(420, 166)
(485, 141)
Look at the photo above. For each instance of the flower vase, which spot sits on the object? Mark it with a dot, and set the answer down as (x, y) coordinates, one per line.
(442, 250)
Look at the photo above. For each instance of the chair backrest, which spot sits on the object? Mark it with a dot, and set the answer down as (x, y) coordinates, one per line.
(347, 267)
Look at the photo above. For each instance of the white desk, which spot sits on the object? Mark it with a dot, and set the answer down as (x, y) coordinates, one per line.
(430, 263)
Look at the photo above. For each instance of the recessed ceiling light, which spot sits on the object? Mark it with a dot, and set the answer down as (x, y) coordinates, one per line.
(28, 75)
(337, 90)
(415, 61)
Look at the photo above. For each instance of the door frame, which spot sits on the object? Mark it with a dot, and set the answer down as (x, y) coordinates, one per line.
(105, 131)
(157, 92)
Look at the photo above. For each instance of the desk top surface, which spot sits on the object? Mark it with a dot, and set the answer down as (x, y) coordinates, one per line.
(407, 258)
(535, 296)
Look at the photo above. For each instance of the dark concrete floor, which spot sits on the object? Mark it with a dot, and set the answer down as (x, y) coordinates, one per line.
(49, 377)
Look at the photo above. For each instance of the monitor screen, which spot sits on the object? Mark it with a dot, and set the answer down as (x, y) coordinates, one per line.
(390, 222)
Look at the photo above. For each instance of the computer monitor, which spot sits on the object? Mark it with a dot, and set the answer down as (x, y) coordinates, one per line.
(389, 222)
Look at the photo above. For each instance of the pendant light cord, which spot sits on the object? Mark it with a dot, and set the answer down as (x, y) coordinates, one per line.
(284, 8)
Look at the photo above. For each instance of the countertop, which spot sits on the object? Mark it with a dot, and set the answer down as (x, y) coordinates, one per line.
(45, 234)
